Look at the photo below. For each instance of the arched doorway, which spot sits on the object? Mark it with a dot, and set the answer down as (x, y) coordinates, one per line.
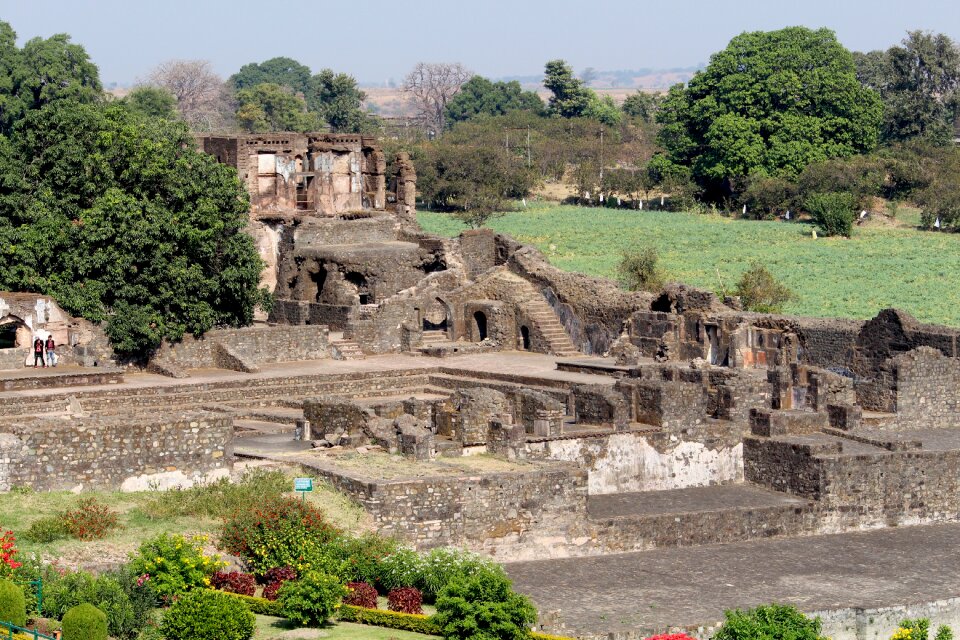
(525, 337)
(14, 333)
(480, 324)
(435, 316)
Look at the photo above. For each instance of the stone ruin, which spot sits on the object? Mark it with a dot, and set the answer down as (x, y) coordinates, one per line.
(468, 393)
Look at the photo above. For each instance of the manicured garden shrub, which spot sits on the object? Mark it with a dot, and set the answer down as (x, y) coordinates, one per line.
(403, 568)
(91, 520)
(174, 564)
(281, 532)
(405, 600)
(104, 592)
(919, 629)
(389, 619)
(274, 579)
(360, 556)
(8, 554)
(361, 594)
(13, 605)
(47, 529)
(203, 614)
(259, 606)
(234, 582)
(311, 599)
(670, 636)
(443, 566)
(84, 622)
(483, 606)
(769, 622)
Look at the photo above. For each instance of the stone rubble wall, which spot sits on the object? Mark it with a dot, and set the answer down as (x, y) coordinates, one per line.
(253, 345)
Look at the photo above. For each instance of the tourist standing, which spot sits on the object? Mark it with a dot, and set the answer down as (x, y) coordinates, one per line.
(38, 352)
(51, 351)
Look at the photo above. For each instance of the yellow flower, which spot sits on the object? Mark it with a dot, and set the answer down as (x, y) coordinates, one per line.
(206, 581)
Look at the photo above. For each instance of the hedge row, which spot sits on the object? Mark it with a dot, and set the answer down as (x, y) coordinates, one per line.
(389, 619)
(260, 606)
(374, 617)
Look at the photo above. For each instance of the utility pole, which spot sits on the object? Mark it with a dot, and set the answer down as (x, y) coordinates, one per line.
(528, 147)
(601, 156)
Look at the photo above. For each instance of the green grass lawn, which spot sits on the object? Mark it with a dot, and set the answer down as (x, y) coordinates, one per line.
(881, 266)
(280, 629)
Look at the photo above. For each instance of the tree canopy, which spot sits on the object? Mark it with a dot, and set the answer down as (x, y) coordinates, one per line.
(330, 97)
(271, 107)
(770, 103)
(115, 213)
(919, 82)
(480, 97)
(571, 98)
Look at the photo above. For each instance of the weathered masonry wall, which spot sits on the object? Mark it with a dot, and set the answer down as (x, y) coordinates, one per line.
(927, 384)
(251, 346)
(627, 462)
(117, 452)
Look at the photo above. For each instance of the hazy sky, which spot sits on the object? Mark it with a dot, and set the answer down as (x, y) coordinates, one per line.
(376, 40)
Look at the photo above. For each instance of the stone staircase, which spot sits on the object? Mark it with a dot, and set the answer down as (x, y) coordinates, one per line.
(346, 350)
(434, 337)
(532, 302)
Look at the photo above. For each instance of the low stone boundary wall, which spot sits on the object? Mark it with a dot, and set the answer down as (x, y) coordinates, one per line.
(54, 381)
(116, 452)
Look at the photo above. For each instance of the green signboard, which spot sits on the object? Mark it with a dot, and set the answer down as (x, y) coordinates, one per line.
(303, 484)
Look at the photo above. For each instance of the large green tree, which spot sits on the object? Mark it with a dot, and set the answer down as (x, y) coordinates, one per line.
(919, 82)
(333, 98)
(769, 104)
(480, 97)
(283, 71)
(43, 72)
(115, 213)
(272, 107)
(571, 98)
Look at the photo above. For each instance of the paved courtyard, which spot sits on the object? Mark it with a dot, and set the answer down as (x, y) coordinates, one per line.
(653, 590)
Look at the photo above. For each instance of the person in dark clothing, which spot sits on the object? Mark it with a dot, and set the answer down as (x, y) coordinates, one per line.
(38, 353)
(51, 351)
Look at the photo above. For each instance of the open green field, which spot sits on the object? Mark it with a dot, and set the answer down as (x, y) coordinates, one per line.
(885, 264)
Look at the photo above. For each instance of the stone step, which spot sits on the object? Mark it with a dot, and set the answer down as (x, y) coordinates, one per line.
(346, 350)
(250, 427)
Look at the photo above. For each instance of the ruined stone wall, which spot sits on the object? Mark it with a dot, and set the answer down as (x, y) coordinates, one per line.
(630, 461)
(927, 384)
(128, 452)
(256, 345)
(478, 250)
(828, 343)
(321, 231)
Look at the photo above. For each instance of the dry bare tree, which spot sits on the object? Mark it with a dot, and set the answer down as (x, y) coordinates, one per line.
(203, 99)
(431, 86)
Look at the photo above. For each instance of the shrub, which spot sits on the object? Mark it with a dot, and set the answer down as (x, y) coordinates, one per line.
(405, 600)
(142, 600)
(13, 604)
(311, 599)
(919, 629)
(483, 606)
(259, 606)
(91, 520)
(174, 564)
(767, 197)
(443, 566)
(833, 213)
(769, 622)
(281, 532)
(8, 553)
(361, 556)
(761, 292)
(670, 636)
(84, 622)
(208, 615)
(48, 529)
(640, 271)
(234, 582)
(389, 619)
(274, 579)
(403, 568)
(361, 594)
(104, 592)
